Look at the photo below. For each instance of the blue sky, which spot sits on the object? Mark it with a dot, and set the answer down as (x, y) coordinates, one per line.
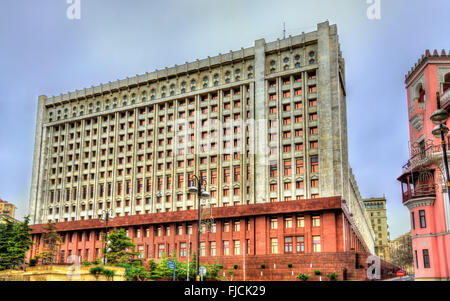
(43, 52)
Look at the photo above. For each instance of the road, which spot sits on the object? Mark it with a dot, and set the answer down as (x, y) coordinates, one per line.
(405, 278)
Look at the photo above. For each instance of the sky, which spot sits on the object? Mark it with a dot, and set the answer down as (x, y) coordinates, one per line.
(43, 52)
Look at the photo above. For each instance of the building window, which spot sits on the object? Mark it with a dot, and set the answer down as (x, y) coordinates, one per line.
(273, 223)
(423, 223)
(237, 247)
(212, 248)
(316, 243)
(288, 222)
(288, 244)
(316, 221)
(417, 259)
(183, 249)
(300, 244)
(226, 247)
(426, 258)
(413, 223)
(203, 249)
(226, 227)
(160, 250)
(300, 222)
(274, 245)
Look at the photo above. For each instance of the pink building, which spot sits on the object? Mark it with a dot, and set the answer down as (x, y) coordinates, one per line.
(424, 188)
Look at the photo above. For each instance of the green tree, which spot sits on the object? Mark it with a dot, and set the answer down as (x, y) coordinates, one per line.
(52, 241)
(15, 241)
(120, 250)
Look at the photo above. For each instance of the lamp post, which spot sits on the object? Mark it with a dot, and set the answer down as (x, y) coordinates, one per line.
(440, 117)
(201, 194)
(105, 217)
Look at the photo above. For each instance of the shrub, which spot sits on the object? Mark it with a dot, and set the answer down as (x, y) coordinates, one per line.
(289, 265)
(96, 271)
(86, 263)
(263, 266)
(235, 266)
(109, 274)
(135, 273)
(316, 272)
(219, 266)
(33, 262)
(332, 276)
(96, 261)
(303, 277)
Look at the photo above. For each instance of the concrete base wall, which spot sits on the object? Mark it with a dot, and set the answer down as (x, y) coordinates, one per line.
(59, 273)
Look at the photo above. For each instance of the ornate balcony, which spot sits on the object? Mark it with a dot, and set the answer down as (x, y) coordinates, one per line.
(445, 97)
(422, 154)
(418, 185)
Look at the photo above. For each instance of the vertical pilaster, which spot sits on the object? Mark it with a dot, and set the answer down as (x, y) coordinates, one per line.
(37, 172)
(260, 129)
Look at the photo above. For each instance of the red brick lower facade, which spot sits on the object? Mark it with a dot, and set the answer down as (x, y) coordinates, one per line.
(309, 234)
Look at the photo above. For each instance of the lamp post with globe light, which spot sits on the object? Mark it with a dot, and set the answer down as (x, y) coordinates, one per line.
(105, 217)
(440, 117)
(200, 190)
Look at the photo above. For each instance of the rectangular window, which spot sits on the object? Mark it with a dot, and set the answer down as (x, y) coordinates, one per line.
(314, 164)
(417, 259)
(274, 223)
(316, 221)
(426, 258)
(316, 243)
(288, 244)
(423, 223)
(288, 222)
(300, 222)
(212, 248)
(300, 244)
(237, 247)
(226, 247)
(274, 245)
(413, 223)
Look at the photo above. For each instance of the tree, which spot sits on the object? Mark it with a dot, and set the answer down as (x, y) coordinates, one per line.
(401, 253)
(52, 242)
(15, 241)
(118, 248)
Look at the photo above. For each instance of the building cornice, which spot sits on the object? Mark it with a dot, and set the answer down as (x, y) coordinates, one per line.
(419, 202)
(297, 206)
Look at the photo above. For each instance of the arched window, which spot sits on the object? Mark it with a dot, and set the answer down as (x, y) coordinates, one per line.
(446, 82)
(420, 93)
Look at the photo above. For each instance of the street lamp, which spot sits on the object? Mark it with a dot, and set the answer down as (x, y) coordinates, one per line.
(201, 194)
(440, 117)
(105, 217)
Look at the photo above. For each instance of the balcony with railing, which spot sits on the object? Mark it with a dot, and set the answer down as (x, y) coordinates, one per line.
(418, 185)
(445, 96)
(421, 154)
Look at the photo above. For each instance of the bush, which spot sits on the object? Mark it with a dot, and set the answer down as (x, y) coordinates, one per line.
(235, 266)
(96, 261)
(316, 272)
(109, 274)
(96, 271)
(289, 265)
(32, 262)
(86, 263)
(263, 266)
(332, 276)
(303, 277)
(135, 273)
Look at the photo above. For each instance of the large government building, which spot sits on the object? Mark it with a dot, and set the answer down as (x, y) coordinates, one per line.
(376, 208)
(264, 126)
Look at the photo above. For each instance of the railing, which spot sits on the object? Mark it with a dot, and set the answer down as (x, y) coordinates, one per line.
(445, 97)
(421, 156)
(420, 191)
